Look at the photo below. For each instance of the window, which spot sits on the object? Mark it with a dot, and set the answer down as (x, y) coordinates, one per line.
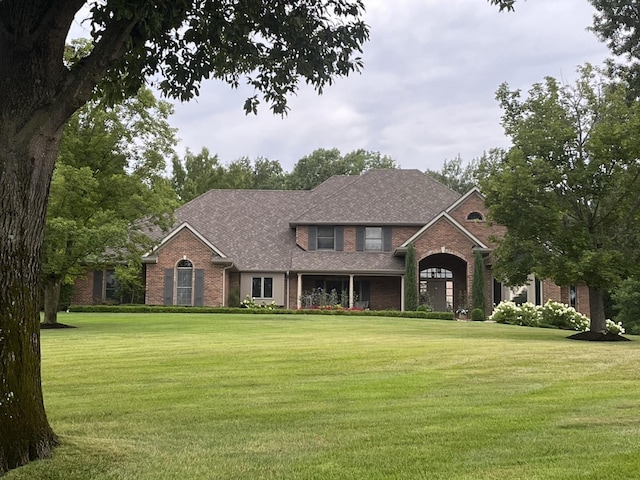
(573, 296)
(373, 239)
(326, 238)
(111, 285)
(475, 216)
(433, 272)
(262, 287)
(184, 283)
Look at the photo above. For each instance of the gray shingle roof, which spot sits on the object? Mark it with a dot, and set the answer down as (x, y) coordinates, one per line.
(249, 226)
(253, 227)
(380, 197)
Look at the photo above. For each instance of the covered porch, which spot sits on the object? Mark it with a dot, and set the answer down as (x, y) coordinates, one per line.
(375, 292)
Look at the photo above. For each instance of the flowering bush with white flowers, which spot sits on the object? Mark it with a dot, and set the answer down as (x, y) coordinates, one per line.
(508, 312)
(553, 314)
(564, 317)
(249, 302)
(613, 327)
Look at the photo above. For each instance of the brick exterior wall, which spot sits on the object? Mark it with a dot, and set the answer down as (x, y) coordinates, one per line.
(478, 228)
(184, 245)
(83, 290)
(444, 238)
(582, 298)
(385, 293)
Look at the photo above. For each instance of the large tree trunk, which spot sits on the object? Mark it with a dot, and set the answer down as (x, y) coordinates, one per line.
(38, 96)
(25, 175)
(51, 300)
(596, 307)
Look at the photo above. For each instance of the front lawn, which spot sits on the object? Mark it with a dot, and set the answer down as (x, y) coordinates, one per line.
(196, 396)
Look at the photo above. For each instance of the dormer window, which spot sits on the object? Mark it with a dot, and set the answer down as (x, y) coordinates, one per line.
(477, 216)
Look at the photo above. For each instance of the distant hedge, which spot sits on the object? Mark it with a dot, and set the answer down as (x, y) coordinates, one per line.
(255, 311)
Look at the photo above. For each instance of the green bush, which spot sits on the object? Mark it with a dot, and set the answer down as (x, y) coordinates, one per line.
(256, 311)
(477, 315)
(626, 302)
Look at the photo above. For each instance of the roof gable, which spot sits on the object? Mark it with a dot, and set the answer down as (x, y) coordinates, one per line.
(464, 198)
(198, 235)
(444, 215)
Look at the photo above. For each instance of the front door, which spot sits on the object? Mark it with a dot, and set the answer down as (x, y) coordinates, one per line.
(437, 291)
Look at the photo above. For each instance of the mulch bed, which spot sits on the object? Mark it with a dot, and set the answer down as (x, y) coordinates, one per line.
(48, 326)
(598, 337)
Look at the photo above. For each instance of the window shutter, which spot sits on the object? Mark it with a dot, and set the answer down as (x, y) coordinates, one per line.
(198, 294)
(97, 286)
(168, 286)
(360, 239)
(339, 232)
(313, 238)
(386, 239)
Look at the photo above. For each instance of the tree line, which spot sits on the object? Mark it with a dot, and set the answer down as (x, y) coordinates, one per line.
(194, 174)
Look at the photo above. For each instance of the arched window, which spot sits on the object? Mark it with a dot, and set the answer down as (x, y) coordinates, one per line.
(475, 216)
(184, 283)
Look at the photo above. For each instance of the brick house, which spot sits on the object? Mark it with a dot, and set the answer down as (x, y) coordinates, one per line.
(348, 235)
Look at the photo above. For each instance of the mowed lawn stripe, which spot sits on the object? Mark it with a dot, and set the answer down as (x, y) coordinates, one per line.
(151, 396)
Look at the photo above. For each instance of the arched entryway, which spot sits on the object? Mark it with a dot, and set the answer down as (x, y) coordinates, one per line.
(443, 282)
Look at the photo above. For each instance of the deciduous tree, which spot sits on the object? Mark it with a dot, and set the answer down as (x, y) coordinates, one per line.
(275, 44)
(322, 164)
(458, 177)
(568, 189)
(108, 180)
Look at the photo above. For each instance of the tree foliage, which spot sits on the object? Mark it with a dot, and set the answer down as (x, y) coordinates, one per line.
(322, 164)
(108, 179)
(410, 279)
(455, 175)
(195, 174)
(478, 299)
(626, 300)
(567, 190)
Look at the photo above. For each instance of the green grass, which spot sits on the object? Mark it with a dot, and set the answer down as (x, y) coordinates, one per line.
(166, 396)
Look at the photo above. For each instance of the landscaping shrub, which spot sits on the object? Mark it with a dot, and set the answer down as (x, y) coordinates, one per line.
(564, 317)
(626, 302)
(258, 311)
(553, 314)
(506, 312)
(477, 315)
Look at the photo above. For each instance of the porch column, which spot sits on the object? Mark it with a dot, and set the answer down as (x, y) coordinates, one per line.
(402, 293)
(299, 292)
(350, 291)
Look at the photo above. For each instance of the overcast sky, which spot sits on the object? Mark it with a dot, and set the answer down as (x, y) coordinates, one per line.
(426, 93)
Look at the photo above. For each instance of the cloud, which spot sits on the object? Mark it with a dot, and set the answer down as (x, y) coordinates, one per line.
(427, 90)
